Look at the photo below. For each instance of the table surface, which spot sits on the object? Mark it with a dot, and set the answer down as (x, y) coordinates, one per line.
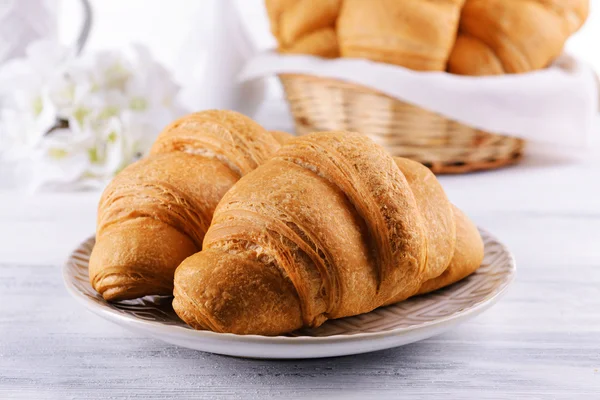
(542, 340)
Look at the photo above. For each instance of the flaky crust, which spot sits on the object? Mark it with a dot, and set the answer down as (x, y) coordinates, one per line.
(467, 257)
(281, 136)
(155, 213)
(438, 219)
(331, 226)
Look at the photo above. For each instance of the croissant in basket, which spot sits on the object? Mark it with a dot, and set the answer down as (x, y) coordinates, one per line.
(305, 26)
(331, 226)
(494, 36)
(499, 36)
(416, 34)
(155, 213)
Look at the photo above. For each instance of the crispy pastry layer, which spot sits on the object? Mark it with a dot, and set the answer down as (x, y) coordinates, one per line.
(155, 213)
(337, 227)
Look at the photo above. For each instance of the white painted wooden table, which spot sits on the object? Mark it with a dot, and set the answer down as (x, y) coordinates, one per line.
(541, 341)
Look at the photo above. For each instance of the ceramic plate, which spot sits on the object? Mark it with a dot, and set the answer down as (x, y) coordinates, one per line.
(396, 325)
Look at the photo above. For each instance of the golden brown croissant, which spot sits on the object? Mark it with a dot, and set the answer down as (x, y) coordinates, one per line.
(331, 226)
(468, 254)
(281, 136)
(322, 43)
(416, 34)
(305, 26)
(499, 36)
(155, 213)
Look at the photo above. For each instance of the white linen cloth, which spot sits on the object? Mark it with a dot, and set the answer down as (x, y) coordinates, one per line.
(556, 107)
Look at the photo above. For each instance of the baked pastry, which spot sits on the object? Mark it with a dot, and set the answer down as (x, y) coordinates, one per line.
(281, 136)
(416, 34)
(322, 43)
(468, 254)
(331, 226)
(305, 26)
(500, 36)
(155, 213)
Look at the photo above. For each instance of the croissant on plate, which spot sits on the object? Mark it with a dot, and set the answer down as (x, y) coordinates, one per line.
(331, 226)
(155, 213)
(499, 36)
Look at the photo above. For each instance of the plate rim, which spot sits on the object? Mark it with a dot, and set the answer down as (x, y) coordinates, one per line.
(125, 320)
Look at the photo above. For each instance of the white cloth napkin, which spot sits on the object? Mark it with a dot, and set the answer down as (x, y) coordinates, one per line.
(557, 106)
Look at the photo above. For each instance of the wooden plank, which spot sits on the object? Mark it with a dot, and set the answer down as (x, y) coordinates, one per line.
(542, 339)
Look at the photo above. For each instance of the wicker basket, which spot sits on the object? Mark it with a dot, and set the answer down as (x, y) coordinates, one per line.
(445, 146)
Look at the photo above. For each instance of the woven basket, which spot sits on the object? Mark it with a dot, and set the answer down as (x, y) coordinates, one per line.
(445, 146)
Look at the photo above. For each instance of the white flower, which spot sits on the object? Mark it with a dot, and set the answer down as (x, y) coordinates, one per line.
(42, 62)
(61, 159)
(27, 111)
(24, 128)
(81, 121)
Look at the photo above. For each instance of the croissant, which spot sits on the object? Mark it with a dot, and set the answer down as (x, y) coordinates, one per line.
(305, 26)
(416, 34)
(467, 257)
(331, 226)
(499, 36)
(322, 43)
(155, 213)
